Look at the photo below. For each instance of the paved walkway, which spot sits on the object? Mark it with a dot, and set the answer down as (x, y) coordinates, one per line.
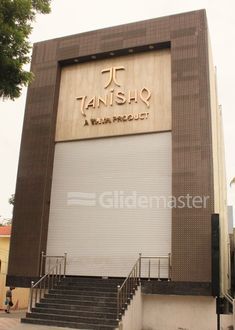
(12, 322)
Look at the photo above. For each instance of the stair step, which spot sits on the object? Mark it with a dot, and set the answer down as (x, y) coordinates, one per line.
(86, 287)
(91, 282)
(83, 292)
(73, 325)
(87, 297)
(73, 319)
(79, 302)
(79, 307)
(92, 278)
(77, 312)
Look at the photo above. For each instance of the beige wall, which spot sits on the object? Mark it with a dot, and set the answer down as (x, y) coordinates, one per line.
(4, 250)
(152, 106)
(164, 312)
(20, 295)
(132, 319)
(220, 193)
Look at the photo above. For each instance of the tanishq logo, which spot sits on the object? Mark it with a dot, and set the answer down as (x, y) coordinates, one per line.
(115, 97)
(113, 75)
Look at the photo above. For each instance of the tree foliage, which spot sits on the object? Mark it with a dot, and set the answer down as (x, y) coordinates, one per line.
(16, 18)
(11, 200)
(232, 182)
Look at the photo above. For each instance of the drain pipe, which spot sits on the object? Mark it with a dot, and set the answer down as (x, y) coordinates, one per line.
(218, 312)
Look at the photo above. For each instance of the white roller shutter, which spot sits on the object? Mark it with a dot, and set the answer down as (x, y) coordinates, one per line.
(104, 202)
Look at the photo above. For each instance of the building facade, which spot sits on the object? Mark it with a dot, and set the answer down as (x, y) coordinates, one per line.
(121, 154)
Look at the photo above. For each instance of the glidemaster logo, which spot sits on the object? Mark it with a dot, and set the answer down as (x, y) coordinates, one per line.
(119, 199)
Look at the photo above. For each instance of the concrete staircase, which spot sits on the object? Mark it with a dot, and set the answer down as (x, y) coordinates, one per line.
(80, 303)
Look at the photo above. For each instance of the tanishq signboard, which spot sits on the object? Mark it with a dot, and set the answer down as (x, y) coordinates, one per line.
(118, 97)
(124, 95)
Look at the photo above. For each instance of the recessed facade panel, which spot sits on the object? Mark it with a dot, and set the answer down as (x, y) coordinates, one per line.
(124, 95)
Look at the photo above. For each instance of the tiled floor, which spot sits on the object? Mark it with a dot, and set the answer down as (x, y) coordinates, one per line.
(12, 322)
(7, 323)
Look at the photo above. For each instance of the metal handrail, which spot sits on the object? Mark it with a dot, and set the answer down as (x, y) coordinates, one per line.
(45, 257)
(229, 298)
(126, 291)
(168, 257)
(48, 281)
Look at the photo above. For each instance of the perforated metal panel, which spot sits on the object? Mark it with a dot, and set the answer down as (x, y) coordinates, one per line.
(107, 202)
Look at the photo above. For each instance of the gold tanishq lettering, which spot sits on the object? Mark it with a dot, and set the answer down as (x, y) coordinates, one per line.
(112, 75)
(112, 96)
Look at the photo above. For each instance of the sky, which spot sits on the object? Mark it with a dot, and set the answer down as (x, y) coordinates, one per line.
(76, 16)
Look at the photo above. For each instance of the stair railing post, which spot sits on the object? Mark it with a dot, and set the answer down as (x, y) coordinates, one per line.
(134, 279)
(169, 267)
(44, 286)
(41, 265)
(49, 264)
(159, 269)
(140, 255)
(233, 311)
(65, 263)
(48, 283)
(36, 295)
(135, 276)
(31, 297)
(40, 291)
(149, 272)
(52, 279)
(56, 271)
(59, 271)
(118, 303)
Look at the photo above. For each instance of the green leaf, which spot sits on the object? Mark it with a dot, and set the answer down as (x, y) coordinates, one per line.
(16, 17)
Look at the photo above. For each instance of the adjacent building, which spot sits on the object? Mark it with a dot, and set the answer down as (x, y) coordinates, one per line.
(21, 295)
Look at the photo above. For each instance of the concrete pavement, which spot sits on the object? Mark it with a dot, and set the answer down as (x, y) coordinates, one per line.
(12, 322)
